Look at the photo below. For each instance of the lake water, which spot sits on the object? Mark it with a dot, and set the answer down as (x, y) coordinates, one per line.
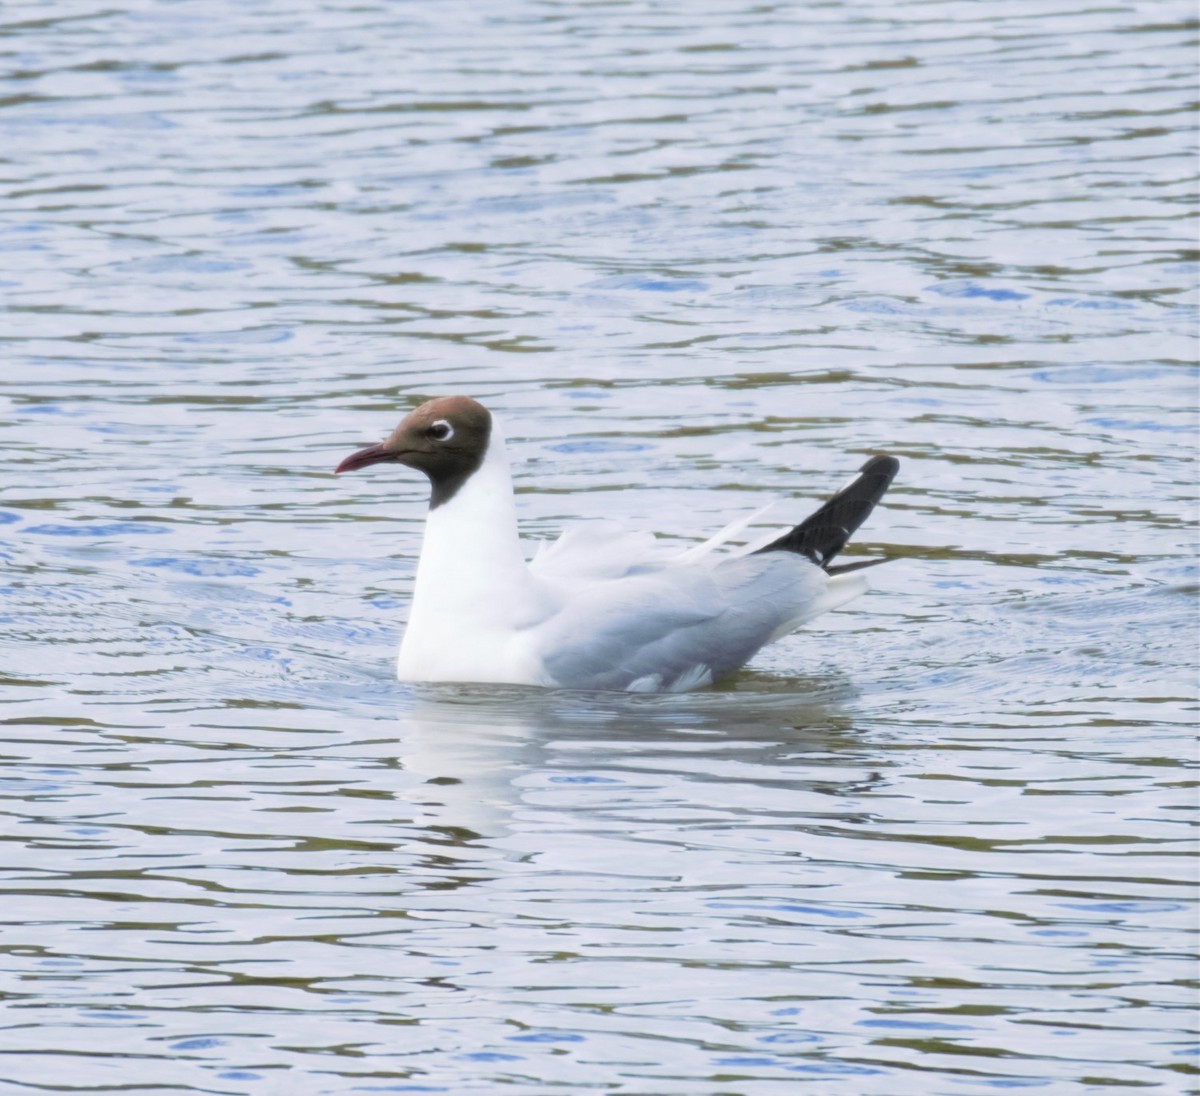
(695, 257)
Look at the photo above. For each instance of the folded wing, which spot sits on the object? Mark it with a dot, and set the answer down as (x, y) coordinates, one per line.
(682, 627)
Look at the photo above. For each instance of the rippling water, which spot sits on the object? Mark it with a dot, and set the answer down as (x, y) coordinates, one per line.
(696, 256)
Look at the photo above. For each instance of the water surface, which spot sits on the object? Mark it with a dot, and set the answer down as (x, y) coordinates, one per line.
(696, 258)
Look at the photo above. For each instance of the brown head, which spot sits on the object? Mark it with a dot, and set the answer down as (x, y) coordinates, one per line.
(445, 438)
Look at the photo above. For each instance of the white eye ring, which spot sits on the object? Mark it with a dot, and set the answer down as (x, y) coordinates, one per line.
(441, 430)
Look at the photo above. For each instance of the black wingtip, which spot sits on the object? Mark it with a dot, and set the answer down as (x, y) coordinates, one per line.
(883, 466)
(823, 534)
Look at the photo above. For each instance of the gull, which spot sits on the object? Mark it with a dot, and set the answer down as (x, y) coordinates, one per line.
(600, 607)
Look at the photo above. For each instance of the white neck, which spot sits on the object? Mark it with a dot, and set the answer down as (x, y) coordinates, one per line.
(472, 579)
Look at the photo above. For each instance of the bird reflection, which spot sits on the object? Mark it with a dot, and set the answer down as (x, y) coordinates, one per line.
(489, 758)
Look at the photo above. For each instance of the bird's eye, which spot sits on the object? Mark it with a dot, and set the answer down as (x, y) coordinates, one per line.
(441, 431)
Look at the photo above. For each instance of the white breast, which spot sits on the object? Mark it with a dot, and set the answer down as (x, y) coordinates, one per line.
(474, 596)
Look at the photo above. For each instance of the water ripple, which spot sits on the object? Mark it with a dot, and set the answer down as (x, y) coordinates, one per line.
(697, 259)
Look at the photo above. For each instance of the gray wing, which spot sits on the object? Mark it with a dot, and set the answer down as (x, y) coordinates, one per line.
(678, 628)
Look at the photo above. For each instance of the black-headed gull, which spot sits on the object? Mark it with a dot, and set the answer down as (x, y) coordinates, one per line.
(599, 608)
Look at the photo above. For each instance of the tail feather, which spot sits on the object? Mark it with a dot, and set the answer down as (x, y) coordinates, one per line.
(857, 565)
(823, 534)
